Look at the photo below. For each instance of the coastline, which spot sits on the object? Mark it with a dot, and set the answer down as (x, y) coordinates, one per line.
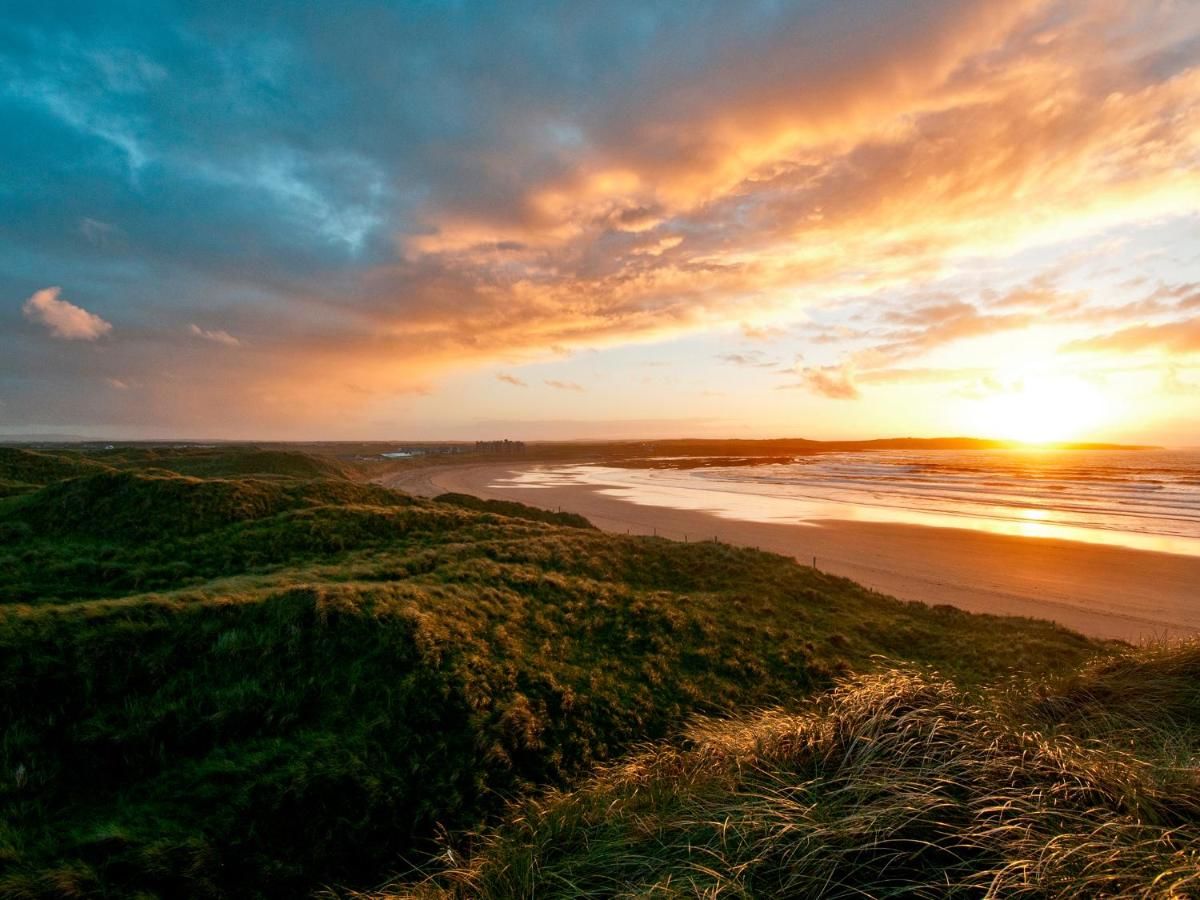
(1098, 590)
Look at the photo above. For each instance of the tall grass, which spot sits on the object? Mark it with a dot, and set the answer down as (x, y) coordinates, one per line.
(255, 686)
(518, 510)
(895, 784)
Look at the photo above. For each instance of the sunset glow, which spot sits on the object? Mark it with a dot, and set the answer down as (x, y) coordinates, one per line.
(1040, 408)
(461, 448)
(824, 219)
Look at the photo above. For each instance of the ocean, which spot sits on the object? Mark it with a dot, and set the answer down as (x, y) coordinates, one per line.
(1144, 499)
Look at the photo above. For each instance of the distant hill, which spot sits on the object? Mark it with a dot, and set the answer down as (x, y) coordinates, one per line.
(780, 446)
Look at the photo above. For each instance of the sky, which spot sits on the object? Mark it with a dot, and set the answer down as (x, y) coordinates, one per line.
(457, 220)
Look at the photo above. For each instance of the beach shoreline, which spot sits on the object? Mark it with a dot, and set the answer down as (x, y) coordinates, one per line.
(1102, 591)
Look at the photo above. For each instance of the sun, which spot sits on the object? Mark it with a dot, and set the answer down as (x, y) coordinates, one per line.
(1041, 407)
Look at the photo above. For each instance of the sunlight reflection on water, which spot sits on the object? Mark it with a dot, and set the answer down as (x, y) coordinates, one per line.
(1149, 501)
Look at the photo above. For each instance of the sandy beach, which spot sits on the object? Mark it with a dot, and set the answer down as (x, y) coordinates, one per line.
(1102, 591)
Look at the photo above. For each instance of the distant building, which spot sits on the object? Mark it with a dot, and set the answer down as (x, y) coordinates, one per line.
(423, 450)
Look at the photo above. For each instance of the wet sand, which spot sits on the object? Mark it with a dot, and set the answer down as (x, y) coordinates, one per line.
(1102, 591)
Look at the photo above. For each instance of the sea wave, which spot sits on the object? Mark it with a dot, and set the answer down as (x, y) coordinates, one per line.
(1140, 499)
(1149, 492)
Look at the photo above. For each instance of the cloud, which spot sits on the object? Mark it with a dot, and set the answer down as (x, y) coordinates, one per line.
(1040, 294)
(65, 320)
(1174, 383)
(938, 325)
(511, 379)
(98, 232)
(761, 332)
(833, 334)
(1169, 337)
(991, 159)
(833, 382)
(928, 375)
(216, 336)
(632, 189)
(752, 360)
(916, 331)
(1187, 296)
(563, 385)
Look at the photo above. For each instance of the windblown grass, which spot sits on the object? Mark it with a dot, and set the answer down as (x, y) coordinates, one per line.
(518, 510)
(251, 686)
(895, 784)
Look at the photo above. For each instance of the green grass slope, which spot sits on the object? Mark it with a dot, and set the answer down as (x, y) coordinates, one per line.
(244, 687)
(518, 510)
(22, 470)
(896, 784)
(156, 503)
(119, 532)
(235, 462)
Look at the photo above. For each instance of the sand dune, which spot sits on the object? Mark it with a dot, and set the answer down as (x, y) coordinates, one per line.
(1107, 592)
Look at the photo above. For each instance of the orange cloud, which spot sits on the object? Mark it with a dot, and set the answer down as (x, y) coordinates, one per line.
(1168, 337)
(983, 131)
(833, 382)
(831, 162)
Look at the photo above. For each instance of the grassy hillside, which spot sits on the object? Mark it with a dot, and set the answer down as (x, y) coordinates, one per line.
(22, 471)
(896, 784)
(44, 466)
(225, 462)
(256, 686)
(119, 532)
(509, 508)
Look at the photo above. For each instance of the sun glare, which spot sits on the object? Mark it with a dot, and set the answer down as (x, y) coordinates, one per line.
(1041, 408)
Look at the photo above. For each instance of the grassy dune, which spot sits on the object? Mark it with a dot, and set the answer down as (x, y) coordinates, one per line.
(266, 684)
(23, 471)
(895, 784)
(508, 508)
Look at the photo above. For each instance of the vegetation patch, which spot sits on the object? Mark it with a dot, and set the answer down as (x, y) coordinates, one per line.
(515, 510)
(258, 686)
(895, 784)
(36, 467)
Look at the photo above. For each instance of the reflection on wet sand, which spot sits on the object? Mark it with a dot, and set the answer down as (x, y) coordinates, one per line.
(1063, 507)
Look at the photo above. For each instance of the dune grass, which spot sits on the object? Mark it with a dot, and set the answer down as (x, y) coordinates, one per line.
(519, 510)
(228, 462)
(895, 784)
(259, 685)
(24, 470)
